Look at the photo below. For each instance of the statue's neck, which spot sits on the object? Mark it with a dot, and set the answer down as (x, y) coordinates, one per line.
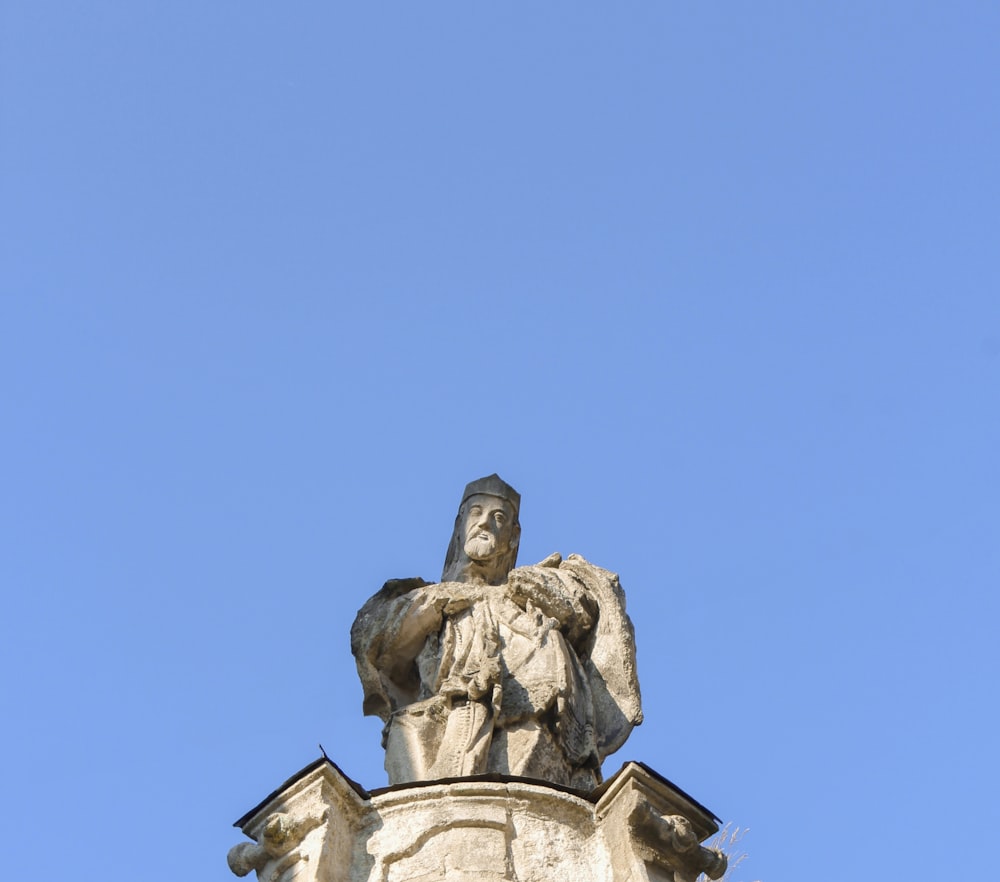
(482, 572)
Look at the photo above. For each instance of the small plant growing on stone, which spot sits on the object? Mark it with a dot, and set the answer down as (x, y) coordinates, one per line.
(729, 841)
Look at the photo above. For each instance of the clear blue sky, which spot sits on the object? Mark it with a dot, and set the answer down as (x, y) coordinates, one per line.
(716, 286)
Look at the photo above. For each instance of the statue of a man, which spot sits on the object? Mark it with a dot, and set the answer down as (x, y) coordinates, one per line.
(526, 671)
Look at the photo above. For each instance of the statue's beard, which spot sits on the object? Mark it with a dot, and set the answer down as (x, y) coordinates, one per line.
(481, 547)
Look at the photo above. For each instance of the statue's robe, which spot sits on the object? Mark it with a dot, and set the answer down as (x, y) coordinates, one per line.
(535, 677)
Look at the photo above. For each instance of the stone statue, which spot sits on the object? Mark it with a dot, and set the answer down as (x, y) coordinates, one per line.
(526, 671)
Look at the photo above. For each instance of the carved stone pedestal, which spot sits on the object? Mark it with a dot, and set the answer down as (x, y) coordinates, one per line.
(322, 827)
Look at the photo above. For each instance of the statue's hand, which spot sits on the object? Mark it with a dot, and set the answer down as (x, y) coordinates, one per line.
(556, 594)
(449, 597)
(541, 587)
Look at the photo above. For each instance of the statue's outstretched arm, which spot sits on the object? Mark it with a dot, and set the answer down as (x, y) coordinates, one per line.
(385, 641)
(392, 629)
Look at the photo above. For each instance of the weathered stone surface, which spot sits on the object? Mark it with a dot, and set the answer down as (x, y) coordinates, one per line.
(503, 689)
(526, 671)
(307, 829)
(319, 827)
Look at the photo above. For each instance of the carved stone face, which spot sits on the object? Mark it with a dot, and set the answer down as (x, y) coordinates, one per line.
(487, 527)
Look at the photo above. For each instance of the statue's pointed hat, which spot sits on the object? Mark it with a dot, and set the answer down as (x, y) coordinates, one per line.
(494, 485)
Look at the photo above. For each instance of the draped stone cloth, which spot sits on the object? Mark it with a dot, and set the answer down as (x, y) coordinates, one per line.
(535, 677)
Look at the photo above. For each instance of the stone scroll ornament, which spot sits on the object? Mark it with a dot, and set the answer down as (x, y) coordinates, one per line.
(525, 671)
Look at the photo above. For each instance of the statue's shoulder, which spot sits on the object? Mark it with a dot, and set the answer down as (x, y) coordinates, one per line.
(578, 560)
(574, 565)
(380, 605)
(577, 564)
(396, 587)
